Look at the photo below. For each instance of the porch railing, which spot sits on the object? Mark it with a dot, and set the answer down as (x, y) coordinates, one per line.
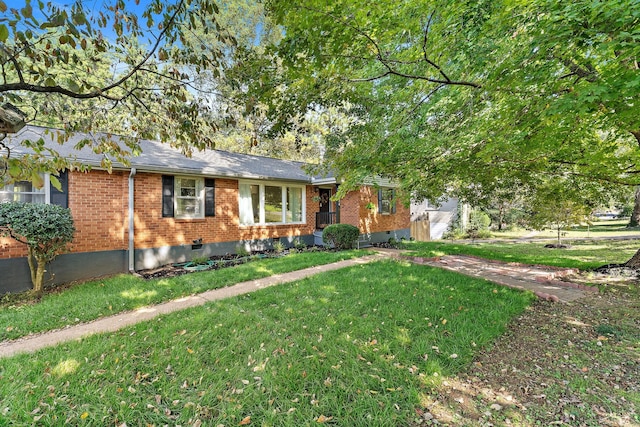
(323, 219)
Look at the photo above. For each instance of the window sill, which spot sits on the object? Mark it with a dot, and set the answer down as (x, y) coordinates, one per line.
(189, 219)
(271, 224)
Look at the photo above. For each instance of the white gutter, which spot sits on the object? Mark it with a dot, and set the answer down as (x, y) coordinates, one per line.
(132, 261)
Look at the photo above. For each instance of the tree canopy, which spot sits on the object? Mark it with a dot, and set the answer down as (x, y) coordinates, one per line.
(461, 98)
(465, 97)
(122, 68)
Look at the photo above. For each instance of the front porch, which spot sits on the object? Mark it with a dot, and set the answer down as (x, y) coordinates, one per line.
(325, 219)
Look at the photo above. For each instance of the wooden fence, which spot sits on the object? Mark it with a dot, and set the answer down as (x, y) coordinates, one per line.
(421, 230)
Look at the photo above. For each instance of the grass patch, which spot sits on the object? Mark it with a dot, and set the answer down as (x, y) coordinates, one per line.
(612, 228)
(92, 300)
(359, 346)
(584, 255)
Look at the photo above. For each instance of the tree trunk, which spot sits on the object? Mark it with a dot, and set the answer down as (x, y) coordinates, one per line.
(37, 268)
(634, 221)
(634, 262)
(38, 285)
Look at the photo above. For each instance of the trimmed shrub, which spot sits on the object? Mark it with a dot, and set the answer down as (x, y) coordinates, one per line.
(341, 236)
(45, 229)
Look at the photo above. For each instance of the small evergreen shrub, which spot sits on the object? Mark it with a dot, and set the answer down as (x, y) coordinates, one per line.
(278, 246)
(341, 236)
(241, 251)
(299, 244)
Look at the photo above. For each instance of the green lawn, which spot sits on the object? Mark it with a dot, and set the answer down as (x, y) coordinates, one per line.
(583, 254)
(361, 346)
(607, 228)
(94, 299)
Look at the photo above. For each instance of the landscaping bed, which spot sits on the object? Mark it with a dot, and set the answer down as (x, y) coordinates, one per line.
(218, 262)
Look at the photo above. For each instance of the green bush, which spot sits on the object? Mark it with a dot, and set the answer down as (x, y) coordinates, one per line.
(45, 229)
(626, 210)
(479, 220)
(278, 246)
(341, 236)
(299, 244)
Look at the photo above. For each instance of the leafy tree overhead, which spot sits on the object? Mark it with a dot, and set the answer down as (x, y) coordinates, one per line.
(122, 68)
(456, 97)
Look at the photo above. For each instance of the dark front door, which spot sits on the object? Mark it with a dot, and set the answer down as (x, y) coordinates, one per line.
(324, 216)
(325, 202)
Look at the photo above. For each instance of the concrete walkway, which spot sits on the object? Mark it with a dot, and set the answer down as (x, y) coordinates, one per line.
(537, 279)
(541, 280)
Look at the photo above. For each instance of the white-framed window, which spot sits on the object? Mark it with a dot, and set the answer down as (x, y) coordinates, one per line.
(189, 197)
(27, 192)
(271, 203)
(23, 191)
(386, 201)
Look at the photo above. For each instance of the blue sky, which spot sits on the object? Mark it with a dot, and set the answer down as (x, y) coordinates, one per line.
(91, 6)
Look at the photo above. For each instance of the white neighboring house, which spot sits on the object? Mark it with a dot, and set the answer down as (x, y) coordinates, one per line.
(440, 218)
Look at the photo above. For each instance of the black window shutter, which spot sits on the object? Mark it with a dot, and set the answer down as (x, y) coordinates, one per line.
(380, 200)
(167, 196)
(209, 197)
(60, 197)
(393, 201)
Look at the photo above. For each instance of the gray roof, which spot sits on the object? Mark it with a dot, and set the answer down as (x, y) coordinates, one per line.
(162, 158)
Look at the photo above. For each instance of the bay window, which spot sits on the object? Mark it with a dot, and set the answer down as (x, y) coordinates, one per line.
(270, 203)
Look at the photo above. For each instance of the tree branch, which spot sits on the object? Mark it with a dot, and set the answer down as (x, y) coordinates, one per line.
(387, 61)
(424, 49)
(22, 85)
(150, 53)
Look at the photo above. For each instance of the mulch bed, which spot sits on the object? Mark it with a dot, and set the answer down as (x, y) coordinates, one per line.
(218, 262)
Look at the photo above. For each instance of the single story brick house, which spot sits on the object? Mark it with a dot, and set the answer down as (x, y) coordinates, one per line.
(165, 208)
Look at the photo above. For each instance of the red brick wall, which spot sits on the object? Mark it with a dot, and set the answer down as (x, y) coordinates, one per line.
(154, 231)
(353, 210)
(98, 202)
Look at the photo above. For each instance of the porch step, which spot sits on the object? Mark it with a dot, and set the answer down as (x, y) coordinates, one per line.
(364, 241)
(317, 238)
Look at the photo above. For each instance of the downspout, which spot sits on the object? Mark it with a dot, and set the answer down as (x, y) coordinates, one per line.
(132, 261)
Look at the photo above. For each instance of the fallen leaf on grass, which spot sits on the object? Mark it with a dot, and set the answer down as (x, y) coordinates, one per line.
(323, 419)
(245, 421)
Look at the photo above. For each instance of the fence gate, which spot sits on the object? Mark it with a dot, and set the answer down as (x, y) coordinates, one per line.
(421, 230)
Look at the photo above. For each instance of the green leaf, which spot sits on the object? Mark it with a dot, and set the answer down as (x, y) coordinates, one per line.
(79, 18)
(37, 180)
(4, 32)
(73, 85)
(27, 12)
(3, 7)
(55, 182)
